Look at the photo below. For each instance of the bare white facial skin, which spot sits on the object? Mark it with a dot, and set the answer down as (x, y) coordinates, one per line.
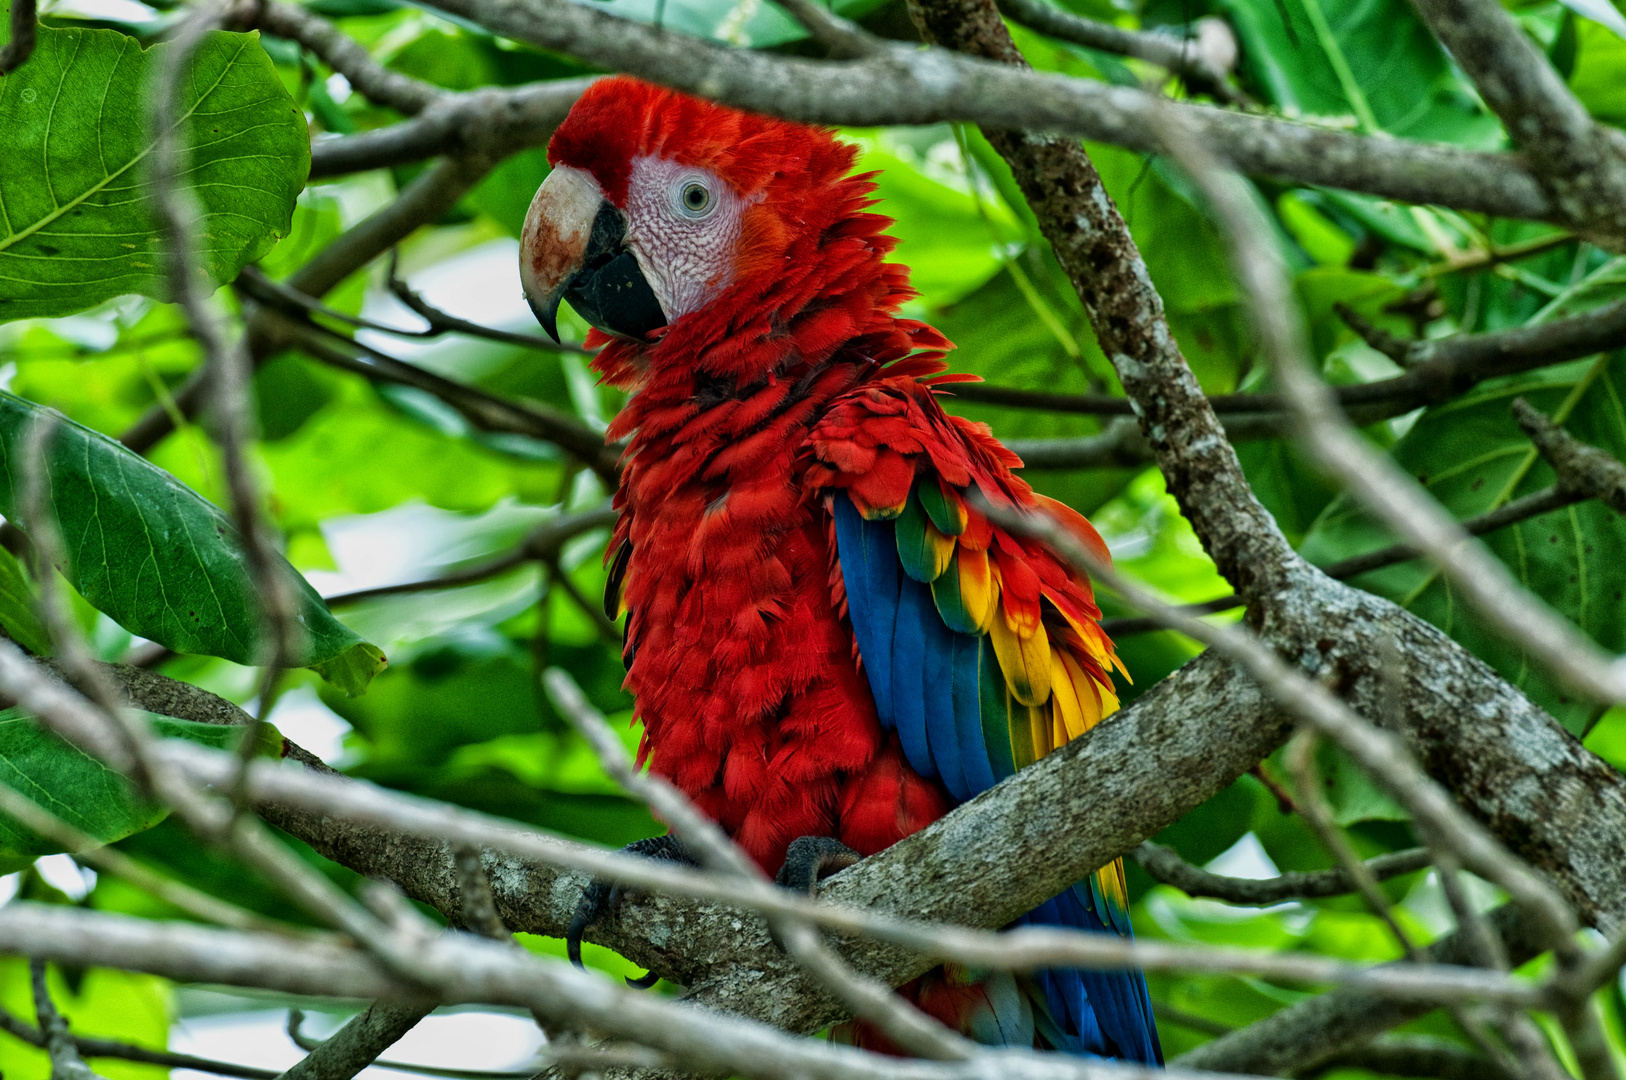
(683, 225)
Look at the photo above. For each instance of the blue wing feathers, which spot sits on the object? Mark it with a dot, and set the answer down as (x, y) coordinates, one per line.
(974, 764)
(910, 649)
(943, 692)
(937, 692)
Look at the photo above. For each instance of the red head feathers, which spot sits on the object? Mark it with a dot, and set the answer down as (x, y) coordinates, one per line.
(716, 241)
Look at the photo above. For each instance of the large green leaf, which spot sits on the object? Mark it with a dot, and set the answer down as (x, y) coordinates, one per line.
(1368, 61)
(161, 560)
(1473, 458)
(76, 787)
(76, 227)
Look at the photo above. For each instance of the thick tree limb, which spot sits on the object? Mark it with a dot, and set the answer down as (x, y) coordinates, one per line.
(905, 85)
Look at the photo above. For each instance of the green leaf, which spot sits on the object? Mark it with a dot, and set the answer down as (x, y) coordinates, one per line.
(76, 787)
(17, 617)
(1399, 75)
(1473, 457)
(158, 558)
(78, 228)
(1599, 78)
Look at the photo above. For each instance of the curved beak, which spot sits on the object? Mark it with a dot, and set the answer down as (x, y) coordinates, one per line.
(574, 247)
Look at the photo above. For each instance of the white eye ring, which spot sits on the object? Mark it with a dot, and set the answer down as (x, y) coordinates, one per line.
(694, 199)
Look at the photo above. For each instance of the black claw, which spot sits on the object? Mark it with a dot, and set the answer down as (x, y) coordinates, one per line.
(599, 897)
(644, 981)
(811, 859)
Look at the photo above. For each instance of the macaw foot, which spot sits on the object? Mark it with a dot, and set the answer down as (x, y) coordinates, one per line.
(811, 859)
(599, 897)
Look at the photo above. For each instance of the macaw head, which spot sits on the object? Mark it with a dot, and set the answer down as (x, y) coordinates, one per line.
(661, 205)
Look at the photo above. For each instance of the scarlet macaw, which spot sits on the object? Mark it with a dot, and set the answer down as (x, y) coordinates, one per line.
(823, 638)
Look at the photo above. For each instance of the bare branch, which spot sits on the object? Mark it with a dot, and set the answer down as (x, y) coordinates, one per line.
(94, 853)
(441, 323)
(868, 998)
(253, 282)
(1377, 751)
(1373, 478)
(1581, 469)
(108, 1048)
(479, 908)
(1305, 1036)
(483, 122)
(66, 1064)
(844, 38)
(543, 544)
(485, 411)
(471, 969)
(1410, 1055)
(359, 1043)
(1521, 509)
(1166, 866)
(1581, 163)
(1182, 56)
(1437, 370)
(339, 51)
(906, 85)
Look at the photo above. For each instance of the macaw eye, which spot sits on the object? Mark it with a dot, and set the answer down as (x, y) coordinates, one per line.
(694, 199)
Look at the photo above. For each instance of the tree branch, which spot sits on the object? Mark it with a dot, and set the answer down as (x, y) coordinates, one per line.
(339, 51)
(1582, 469)
(907, 85)
(1436, 370)
(1183, 57)
(482, 122)
(1165, 865)
(1581, 164)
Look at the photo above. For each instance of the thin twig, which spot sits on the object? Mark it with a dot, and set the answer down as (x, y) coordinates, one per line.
(1437, 370)
(339, 51)
(1166, 866)
(1317, 814)
(1523, 508)
(66, 1064)
(92, 852)
(253, 282)
(1182, 56)
(845, 39)
(1582, 469)
(485, 411)
(542, 545)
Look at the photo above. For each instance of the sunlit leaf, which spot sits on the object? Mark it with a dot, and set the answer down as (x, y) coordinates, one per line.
(77, 222)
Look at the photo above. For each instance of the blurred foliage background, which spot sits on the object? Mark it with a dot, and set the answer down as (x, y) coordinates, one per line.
(372, 485)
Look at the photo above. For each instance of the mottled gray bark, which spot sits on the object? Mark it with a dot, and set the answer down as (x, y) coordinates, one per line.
(903, 85)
